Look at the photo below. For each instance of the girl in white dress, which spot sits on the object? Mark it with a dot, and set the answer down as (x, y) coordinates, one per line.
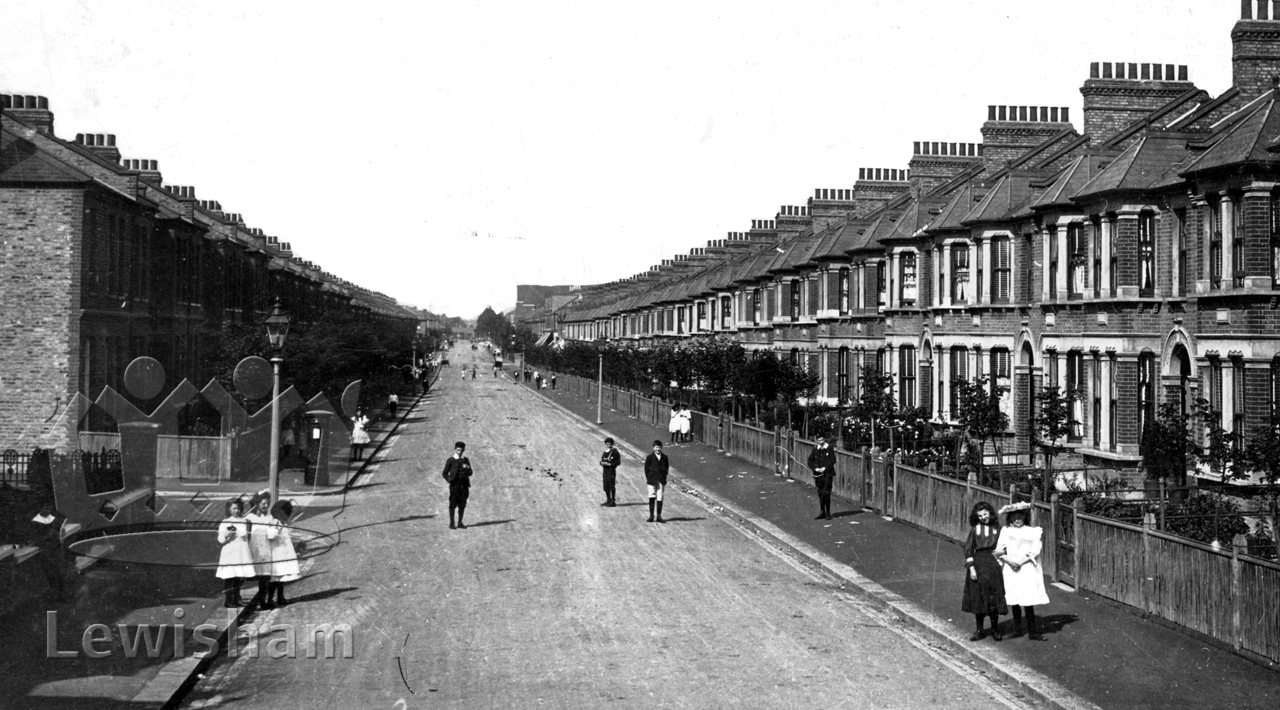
(284, 559)
(1018, 550)
(235, 562)
(686, 423)
(262, 530)
(360, 433)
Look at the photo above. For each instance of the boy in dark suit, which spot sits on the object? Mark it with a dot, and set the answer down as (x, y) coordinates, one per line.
(656, 467)
(609, 462)
(457, 471)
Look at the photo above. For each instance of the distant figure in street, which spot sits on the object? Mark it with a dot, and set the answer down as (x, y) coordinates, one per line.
(474, 369)
(464, 373)
(235, 561)
(1018, 551)
(673, 426)
(262, 532)
(497, 367)
(528, 374)
(553, 381)
(686, 424)
(284, 558)
(609, 462)
(656, 466)
(393, 402)
(983, 583)
(822, 461)
(537, 380)
(457, 471)
(359, 435)
(46, 534)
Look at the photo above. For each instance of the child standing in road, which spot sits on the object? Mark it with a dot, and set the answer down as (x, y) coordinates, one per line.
(235, 562)
(656, 467)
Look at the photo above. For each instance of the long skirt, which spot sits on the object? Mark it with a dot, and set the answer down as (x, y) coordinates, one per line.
(986, 594)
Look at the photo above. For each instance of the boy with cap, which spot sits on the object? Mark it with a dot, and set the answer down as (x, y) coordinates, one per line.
(609, 462)
(656, 467)
(457, 471)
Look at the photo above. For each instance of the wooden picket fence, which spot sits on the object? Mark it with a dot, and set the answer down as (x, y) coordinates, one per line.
(1224, 594)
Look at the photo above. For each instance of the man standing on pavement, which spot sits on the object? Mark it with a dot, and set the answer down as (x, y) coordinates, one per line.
(656, 467)
(823, 464)
(457, 471)
(46, 534)
(609, 462)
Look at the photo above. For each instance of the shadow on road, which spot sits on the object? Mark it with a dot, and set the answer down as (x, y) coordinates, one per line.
(406, 519)
(323, 594)
(490, 522)
(682, 520)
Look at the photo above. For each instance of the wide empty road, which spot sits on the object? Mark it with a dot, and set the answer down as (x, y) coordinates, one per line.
(548, 600)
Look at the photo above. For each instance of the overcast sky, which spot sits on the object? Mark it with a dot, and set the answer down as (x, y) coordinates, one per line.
(581, 141)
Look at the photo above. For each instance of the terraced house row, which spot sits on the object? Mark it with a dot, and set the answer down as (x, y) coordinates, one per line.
(1132, 262)
(101, 262)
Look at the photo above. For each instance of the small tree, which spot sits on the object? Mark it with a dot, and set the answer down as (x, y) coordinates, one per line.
(981, 417)
(1052, 423)
(876, 408)
(1168, 445)
(1262, 455)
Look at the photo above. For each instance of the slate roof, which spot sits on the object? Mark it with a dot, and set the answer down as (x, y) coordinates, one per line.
(23, 161)
(1141, 166)
(1245, 142)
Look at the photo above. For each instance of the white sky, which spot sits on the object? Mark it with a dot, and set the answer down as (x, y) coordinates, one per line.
(590, 139)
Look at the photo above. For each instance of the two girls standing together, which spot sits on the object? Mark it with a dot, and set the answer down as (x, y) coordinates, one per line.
(257, 546)
(1003, 569)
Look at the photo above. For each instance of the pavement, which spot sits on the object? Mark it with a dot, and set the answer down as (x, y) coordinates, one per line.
(1097, 652)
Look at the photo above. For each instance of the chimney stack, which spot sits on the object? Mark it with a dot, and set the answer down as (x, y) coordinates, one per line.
(933, 162)
(31, 110)
(102, 145)
(1255, 47)
(1117, 95)
(1011, 131)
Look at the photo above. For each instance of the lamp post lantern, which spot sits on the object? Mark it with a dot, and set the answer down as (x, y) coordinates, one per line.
(277, 329)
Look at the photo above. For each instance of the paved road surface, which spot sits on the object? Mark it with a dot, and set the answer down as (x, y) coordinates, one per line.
(549, 600)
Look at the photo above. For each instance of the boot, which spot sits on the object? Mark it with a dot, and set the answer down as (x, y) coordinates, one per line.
(235, 590)
(613, 497)
(660, 512)
(977, 635)
(1017, 623)
(280, 600)
(461, 510)
(263, 596)
(995, 628)
(1032, 633)
(651, 503)
(229, 595)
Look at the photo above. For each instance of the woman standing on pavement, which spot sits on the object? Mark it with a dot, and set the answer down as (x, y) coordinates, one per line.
(1018, 550)
(360, 434)
(673, 427)
(983, 583)
(235, 562)
(284, 558)
(262, 531)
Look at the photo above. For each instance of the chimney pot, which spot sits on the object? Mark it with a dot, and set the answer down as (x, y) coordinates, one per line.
(917, 147)
(991, 113)
(1246, 9)
(1182, 72)
(1133, 70)
(111, 140)
(1106, 70)
(1093, 70)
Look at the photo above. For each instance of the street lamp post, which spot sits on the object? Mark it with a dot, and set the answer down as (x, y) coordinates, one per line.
(277, 328)
(600, 390)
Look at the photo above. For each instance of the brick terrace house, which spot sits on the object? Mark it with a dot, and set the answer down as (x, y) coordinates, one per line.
(102, 262)
(1133, 263)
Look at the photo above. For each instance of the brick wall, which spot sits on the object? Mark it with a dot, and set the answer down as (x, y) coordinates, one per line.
(1255, 56)
(39, 327)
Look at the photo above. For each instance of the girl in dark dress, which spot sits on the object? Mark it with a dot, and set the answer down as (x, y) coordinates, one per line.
(983, 582)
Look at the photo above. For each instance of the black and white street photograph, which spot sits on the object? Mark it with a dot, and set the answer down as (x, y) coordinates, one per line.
(875, 355)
